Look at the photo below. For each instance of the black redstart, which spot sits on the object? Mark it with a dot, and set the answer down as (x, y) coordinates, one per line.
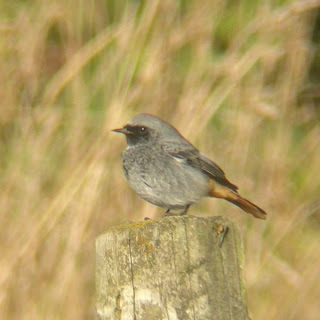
(168, 171)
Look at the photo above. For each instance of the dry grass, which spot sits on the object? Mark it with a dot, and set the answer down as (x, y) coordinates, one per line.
(227, 73)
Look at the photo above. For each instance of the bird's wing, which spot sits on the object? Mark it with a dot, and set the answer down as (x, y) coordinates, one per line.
(190, 155)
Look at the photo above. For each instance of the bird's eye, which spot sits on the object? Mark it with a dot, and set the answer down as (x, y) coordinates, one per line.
(142, 129)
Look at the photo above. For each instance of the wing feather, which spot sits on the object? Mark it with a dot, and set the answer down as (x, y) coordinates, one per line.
(194, 158)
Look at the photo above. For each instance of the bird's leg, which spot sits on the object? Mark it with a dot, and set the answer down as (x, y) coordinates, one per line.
(168, 213)
(184, 212)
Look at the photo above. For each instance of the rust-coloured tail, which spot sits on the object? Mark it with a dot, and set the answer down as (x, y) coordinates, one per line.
(249, 207)
(232, 196)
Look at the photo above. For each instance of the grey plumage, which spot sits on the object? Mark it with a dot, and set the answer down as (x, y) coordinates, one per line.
(168, 171)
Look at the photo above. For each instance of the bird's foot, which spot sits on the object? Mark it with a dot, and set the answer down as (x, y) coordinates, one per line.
(168, 214)
(182, 213)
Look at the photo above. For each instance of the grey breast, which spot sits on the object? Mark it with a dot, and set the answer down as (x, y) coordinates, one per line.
(161, 179)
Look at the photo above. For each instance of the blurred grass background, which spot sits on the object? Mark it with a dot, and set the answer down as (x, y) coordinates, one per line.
(240, 79)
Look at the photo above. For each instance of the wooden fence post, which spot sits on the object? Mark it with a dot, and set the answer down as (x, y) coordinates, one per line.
(174, 268)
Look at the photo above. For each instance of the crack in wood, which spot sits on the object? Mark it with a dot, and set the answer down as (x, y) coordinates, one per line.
(189, 274)
(132, 281)
(227, 287)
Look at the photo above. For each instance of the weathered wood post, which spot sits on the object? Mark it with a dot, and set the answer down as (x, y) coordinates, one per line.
(174, 268)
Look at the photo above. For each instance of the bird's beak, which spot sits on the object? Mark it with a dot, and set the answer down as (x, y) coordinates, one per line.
(122, 130)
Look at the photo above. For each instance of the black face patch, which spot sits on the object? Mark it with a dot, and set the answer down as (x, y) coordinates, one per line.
(137, 134)
(141, 131)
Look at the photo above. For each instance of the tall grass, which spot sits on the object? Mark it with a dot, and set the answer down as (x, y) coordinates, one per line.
(229, 74)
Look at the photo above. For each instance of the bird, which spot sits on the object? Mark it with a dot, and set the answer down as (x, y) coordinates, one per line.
(166, 170)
